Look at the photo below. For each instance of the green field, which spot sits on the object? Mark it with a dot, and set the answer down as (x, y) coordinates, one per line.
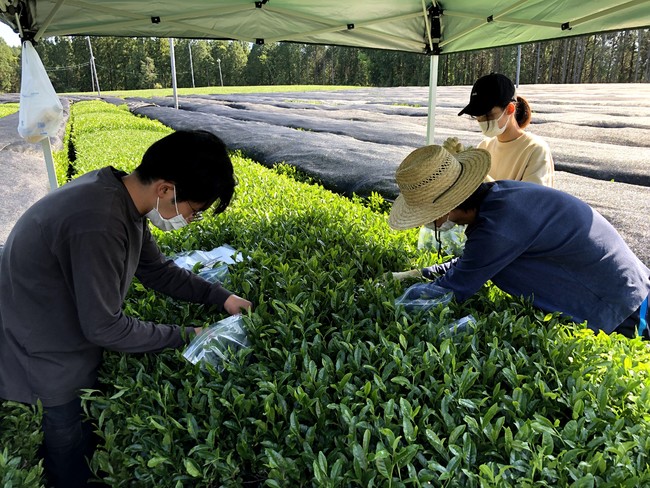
(220, 90)
(8, 108)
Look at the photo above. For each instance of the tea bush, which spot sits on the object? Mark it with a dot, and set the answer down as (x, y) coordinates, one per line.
(20, 438)
(8, 109)
(99, 133)
(340, 387)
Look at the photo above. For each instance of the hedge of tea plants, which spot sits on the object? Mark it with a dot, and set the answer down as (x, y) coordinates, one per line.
(339, 387)
(8, 109)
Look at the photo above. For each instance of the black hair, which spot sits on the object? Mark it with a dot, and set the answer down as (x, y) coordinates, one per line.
(198, 164)
(473, 202)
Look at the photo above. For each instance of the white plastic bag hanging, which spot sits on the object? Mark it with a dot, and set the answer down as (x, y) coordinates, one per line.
(41, 112)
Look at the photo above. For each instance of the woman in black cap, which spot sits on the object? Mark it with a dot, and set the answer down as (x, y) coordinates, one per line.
(503, 116)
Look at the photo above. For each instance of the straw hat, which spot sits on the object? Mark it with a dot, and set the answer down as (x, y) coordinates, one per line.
(433, 182)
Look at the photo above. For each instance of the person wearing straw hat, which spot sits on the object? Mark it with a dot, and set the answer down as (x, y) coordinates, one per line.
(528, 239)
(502, 116)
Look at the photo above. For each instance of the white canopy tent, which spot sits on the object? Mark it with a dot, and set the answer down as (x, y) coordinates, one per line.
(422, 26)
(405, 25)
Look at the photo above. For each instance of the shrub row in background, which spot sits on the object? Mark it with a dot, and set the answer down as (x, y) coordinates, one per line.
(8, 109)
(101, 134)
(341, 388)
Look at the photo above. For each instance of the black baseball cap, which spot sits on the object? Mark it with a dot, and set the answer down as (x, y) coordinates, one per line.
(489, 91)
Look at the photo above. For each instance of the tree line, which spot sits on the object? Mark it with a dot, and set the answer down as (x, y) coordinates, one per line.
(144, 63)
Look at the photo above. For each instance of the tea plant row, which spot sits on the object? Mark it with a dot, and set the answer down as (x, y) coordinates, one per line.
(340, 387)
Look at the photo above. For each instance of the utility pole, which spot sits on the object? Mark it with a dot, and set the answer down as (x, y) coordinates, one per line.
(220, 76)
(173, 61)
(518, 65)
(189, 46)
(93, 69)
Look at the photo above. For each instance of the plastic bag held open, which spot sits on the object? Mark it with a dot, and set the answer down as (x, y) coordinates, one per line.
(215, 344)
(41, 112)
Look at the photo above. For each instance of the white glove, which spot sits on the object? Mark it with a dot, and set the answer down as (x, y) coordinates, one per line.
(403, 275)
(453, 145)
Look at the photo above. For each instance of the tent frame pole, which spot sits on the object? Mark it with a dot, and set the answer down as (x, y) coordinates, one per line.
(493, 18)
(48, 19)
(607, 11)
(432, 25)
(49, 163)
(433, 92)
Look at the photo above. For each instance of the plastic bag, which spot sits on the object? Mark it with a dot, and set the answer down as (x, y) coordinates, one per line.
(213, 264)
(40, 113)
(215, 343)
(222, 254)
(423, 296)
(452, 241)
(216, 274)
(459, 326)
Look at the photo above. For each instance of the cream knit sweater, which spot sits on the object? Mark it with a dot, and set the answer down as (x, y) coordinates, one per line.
(527, 158)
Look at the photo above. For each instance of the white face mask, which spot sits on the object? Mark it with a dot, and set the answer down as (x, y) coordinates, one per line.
(446, 225)
(490, 128)
(164, 224)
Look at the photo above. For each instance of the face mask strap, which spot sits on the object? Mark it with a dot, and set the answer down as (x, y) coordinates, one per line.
(436, 235)
(496, 121)
(175, 202)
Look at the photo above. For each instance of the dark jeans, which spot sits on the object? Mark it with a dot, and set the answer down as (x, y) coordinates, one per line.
(629, 326)
(67, 442)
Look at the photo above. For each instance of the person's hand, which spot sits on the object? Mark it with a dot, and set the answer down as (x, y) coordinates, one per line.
(235, 305)
(403, 275)
(198, 330)
(453, 145)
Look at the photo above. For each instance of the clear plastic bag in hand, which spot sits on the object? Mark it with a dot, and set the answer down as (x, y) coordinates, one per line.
(423, 296)
(215, 344)
(460, 326)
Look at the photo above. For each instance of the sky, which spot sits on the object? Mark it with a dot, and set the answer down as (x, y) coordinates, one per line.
(9, 35)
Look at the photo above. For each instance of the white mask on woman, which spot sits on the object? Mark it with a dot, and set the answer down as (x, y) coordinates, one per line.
(176, 222)
(492, 130)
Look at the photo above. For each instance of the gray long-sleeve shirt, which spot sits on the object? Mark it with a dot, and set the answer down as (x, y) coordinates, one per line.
(65, 271)
(547, 245)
